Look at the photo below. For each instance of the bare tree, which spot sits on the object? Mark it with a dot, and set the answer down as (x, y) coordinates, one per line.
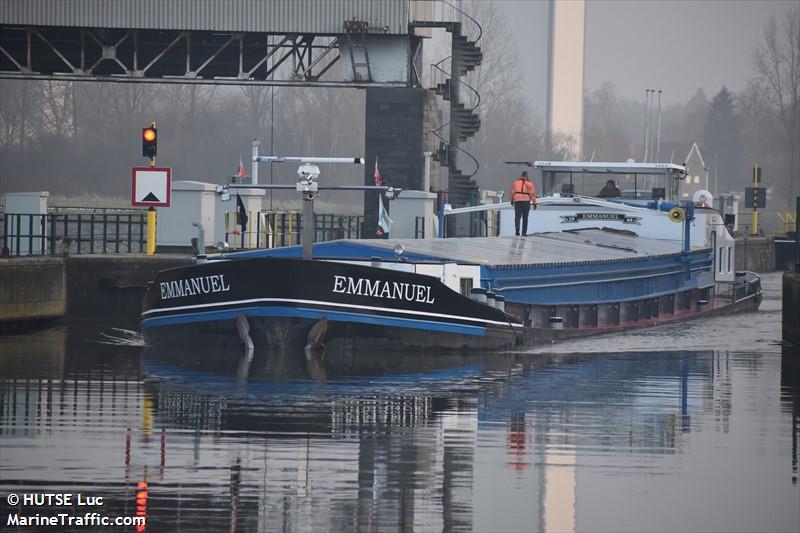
(510, 128)
(58, 107)
(604, 134)
(777, 63)
(19, 112)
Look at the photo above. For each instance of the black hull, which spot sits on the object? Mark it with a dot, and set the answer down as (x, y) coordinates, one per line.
(292, 335)
(539, 336)
(283, 299)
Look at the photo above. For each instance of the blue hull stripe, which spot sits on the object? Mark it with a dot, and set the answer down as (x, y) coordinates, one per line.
(300, 312)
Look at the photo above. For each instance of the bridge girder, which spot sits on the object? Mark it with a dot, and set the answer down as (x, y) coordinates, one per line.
(174, 56)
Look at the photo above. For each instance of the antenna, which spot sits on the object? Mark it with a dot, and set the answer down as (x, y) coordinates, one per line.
(658, 142)
(650, 145)
(646, 123)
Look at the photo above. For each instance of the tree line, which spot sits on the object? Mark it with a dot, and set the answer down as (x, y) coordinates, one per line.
(72, 138)
(760, 124)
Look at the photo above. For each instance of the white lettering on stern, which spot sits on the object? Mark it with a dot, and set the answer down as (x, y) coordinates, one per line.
(193, 286)
(389, 290)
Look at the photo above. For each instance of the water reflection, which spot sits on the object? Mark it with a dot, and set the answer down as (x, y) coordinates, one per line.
(510, 442)
(790, 398)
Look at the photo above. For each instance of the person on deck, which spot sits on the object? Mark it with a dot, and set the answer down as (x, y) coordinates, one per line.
(523, 195)
(609, 190)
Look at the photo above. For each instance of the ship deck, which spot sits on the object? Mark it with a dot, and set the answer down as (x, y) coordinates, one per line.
(593, 245)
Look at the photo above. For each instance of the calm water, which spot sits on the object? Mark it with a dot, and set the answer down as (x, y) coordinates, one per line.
(682, 428)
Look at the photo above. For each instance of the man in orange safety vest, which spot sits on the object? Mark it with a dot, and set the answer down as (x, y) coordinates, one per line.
(523, 194)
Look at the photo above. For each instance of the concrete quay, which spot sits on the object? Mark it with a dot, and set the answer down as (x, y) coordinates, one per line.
(34, 290)
(756, 254)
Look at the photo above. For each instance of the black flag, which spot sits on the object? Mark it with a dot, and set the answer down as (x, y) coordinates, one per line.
(241, 213)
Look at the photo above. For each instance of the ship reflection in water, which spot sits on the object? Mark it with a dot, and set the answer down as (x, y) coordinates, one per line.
(636, 441)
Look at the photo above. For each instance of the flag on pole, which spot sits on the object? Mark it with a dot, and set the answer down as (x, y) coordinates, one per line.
(377, 174)
(241, 214)
(384, 221)
(240, 172)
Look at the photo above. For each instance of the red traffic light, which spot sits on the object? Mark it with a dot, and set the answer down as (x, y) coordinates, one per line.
(149, 142)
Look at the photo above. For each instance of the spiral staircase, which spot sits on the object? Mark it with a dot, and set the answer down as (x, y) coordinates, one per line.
(448, 79)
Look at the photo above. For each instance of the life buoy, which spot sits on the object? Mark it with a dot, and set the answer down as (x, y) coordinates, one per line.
(676, 214)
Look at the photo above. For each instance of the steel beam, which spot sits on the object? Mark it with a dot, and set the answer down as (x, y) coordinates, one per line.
(173, 56)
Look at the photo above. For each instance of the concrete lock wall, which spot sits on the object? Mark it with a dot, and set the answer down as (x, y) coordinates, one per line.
(755, 253)
(393, 135)
(791, 307)
(112, 286)
(32, 289)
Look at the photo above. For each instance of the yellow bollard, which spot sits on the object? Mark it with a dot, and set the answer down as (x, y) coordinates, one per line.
(151, 231)
(250, 233)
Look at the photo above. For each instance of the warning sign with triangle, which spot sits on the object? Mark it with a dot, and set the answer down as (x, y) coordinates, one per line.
(151, 186)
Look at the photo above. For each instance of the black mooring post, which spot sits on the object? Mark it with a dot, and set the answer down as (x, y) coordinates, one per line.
(797, 236)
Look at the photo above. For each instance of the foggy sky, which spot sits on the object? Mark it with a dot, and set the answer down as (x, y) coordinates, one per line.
(674, 45)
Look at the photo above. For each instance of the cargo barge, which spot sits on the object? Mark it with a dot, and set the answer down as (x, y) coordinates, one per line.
(593, 265)
(449, 294)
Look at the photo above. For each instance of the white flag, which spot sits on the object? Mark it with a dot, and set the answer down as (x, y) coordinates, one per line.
(384, 221)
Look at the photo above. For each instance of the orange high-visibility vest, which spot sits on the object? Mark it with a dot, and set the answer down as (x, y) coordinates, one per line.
(522, 190)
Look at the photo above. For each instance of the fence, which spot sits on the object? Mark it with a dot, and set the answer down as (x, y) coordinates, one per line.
(125, 232)
(62, 233)
(271, 229)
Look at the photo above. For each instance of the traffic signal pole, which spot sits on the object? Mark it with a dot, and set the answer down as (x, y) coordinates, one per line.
(151, 139)
(151, 231)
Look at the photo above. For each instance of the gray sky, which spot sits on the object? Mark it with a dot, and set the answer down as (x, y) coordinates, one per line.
(675, 45)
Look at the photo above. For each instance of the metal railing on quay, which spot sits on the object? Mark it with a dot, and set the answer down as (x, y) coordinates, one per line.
(65, 233)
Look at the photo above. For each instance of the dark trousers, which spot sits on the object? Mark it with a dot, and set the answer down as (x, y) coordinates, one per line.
(521, 211)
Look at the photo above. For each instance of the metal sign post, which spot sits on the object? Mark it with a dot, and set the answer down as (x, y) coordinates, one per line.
(151, 187)
(756, 179)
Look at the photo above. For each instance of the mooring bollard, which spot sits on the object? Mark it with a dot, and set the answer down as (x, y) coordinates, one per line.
(478, 294)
